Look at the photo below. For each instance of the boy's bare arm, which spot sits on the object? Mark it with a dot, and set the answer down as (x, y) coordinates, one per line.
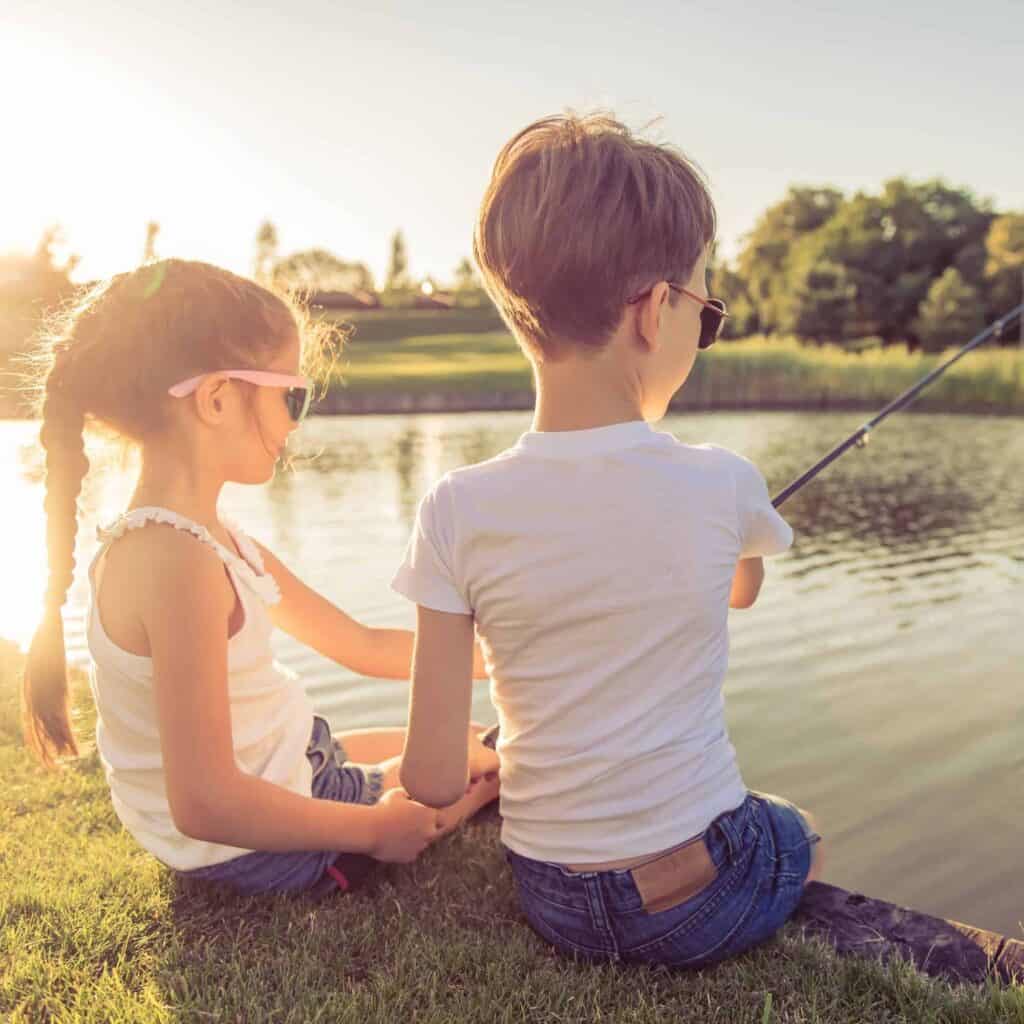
(746, 582)
(435, 763)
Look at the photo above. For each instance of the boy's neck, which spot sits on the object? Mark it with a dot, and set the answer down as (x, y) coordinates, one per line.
(582, 394)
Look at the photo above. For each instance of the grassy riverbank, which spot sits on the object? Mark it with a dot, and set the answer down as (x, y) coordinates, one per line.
(93, 930)
(754, 373)
(484, 369)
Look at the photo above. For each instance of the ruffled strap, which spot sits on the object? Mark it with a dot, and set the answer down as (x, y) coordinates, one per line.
(246, 546)
(249, 569)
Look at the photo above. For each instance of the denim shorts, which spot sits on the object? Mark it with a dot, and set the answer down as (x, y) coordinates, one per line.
(761, 851)
(333, 779)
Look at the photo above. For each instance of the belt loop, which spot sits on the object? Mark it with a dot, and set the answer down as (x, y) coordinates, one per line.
(732, 838)
(599, 920)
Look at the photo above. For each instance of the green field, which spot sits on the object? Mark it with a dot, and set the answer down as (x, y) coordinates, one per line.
(92, 929)
(439, 362)
(391, 324)
(411, 356)
(753, 373)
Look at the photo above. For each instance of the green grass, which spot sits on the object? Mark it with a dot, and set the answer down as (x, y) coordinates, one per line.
(373, 325)
(442, 362)
(92, 929)
(406, 353)
(754, 373)
(759, 372)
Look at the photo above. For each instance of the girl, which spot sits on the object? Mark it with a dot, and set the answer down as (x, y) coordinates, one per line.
(214, 758)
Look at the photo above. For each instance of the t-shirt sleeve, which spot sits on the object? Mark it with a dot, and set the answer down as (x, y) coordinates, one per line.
(762, 530)
(426, 574)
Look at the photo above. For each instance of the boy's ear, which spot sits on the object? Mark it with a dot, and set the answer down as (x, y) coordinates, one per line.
(650, 310)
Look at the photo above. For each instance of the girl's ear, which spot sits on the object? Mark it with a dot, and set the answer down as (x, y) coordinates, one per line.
(210, 399)
(649, 315)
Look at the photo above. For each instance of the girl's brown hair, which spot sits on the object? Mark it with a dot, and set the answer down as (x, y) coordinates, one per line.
(109, 360)
(578, 215)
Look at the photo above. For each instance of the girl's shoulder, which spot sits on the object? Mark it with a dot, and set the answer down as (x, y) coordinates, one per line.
(133, 521)
(139, 573)
(145, 549)
(180, 545)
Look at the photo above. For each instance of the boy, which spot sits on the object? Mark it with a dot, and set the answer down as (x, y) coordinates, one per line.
(597, 560)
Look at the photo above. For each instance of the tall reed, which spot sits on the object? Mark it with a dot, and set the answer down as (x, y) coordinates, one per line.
(762, 372)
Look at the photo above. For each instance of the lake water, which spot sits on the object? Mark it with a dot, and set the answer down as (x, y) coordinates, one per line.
(879, 680)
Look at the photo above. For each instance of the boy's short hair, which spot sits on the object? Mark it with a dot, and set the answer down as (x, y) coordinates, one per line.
(579, 216)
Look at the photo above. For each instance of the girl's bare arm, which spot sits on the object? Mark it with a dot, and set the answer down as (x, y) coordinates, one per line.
(185, 603)
(312, 619)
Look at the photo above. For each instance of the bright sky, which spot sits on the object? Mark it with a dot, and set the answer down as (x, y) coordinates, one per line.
(342, 122)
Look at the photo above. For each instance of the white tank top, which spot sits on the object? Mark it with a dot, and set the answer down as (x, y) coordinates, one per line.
(271, 715)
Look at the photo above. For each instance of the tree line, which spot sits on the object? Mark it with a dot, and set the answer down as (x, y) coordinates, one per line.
(925, 264)
(319, 270)
(922, 263)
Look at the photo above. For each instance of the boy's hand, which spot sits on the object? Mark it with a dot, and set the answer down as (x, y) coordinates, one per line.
(482, 760)
(404, 828)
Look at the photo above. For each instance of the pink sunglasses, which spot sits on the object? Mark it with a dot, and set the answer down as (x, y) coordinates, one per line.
(298, 395)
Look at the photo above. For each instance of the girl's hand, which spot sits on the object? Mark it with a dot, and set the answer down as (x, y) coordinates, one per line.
(404, 828)
(482, 760)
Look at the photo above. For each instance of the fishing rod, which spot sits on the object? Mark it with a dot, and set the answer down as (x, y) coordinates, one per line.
(860, 436)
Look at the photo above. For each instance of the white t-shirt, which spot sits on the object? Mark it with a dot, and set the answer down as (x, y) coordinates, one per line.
(597, 565)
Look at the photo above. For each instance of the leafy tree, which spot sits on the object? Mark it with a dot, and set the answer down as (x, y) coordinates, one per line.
(469, 290)
(1004, 262)
(265, 256)
(763, 262)
(727, 284)
(398, 268)
(951, 314)
(822, 300)
(30, 285)
(317, 270)
(465, 275)
(46, 259)
(149, 249)
(933, 226)
(970, 261)
(876, 257)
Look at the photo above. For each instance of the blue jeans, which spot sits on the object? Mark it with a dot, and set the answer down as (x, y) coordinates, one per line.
(333, 779)
(761, 852)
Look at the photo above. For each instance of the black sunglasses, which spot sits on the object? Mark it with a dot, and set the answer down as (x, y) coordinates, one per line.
(298, 401)
(711, 315)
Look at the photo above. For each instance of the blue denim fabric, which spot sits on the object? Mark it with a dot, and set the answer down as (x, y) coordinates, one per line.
(295, 872)
(762, 851)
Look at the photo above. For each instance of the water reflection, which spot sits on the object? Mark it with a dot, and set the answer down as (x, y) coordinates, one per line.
(406, 457)
(927, 513)
(929, 516)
